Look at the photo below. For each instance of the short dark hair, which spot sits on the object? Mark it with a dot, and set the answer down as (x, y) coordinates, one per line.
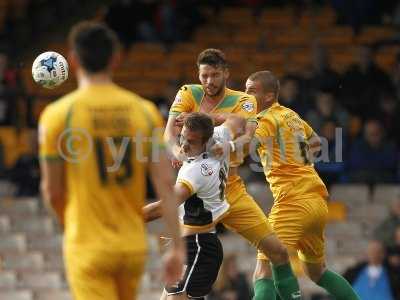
(212, 57)
(268, 80)
(94, 43)
(200, 122)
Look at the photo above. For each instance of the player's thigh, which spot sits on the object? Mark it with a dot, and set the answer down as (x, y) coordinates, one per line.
(311, 248)
(89, 275)
(314, 270)
(204, 258)
(272, 247)
(245, 216)
(129, 274)
(288, 223)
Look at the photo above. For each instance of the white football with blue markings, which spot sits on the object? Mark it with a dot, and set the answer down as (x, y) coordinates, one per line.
(50, 69)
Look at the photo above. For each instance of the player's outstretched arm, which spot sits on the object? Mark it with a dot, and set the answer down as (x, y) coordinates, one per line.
(163, 181)
(171, 131)
(152, 211)
(242, 132)
(52, 186)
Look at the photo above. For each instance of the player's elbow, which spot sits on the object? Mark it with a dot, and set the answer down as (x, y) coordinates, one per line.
(52, 195)
(315, 145)
(152, 211)
(236, 124)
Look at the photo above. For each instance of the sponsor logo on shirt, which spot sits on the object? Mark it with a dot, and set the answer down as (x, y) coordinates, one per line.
(178, 99)
(206, 170)
(248, 106)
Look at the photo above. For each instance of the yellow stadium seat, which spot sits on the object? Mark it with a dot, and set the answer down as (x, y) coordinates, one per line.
(236, 16)
(38, 106)
(374, 33)
(245, 38)
(337, 211)
(25, 141)
(9, 141)
(292, 38)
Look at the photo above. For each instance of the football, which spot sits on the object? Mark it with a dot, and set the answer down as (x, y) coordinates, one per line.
(50, 69)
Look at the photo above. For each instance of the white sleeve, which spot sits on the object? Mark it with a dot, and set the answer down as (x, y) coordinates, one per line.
(222, 134)
(191, 177)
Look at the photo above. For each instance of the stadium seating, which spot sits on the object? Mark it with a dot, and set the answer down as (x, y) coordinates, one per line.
(351, 194)
(30, 245)
(385, 193)
(240, 35)
(16, 295)
(32, 266)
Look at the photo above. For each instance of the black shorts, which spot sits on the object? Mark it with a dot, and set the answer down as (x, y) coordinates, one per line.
(204, 258)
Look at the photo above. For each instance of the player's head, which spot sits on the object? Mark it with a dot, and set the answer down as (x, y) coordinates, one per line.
(263, 85)
(197, 130)
(94, 47)
(375, 252)
(213, 71)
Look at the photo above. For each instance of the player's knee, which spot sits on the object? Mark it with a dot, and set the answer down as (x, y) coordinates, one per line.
(262, 270)
(314, 271)
(279, 256)
(274, 250)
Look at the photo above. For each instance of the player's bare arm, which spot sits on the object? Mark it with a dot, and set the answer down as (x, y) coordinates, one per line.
(170, 133)
(53, 186)
(218, 118)
(163, 181)
(154, 211)
(242, 133)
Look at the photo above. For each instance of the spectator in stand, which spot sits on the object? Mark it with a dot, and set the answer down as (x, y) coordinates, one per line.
(17, 26)
(189, 16)
(393, 259)
(121, 17)
(385, 232)
(231, 283)
(290, 94)
(396, 75)
(387, 112)
(8, 92)
(357, 13)
(373, 279)
(326, 108)
(167, 22)
(330, 165)
(26, 172)
(322, 76)
(363, 82)
(372, 158)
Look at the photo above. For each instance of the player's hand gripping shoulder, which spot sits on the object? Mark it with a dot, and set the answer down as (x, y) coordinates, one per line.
(219, 149)
(180, 119)
(241, 134)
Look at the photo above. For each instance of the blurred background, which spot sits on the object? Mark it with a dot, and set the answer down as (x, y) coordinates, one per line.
(339, 66)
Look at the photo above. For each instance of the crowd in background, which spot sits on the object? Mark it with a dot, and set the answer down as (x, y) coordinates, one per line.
(170, 21)
(378, 275)
(355, 111)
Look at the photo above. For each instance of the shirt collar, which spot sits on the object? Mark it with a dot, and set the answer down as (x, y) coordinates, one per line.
(203, 155)
(276, 104)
